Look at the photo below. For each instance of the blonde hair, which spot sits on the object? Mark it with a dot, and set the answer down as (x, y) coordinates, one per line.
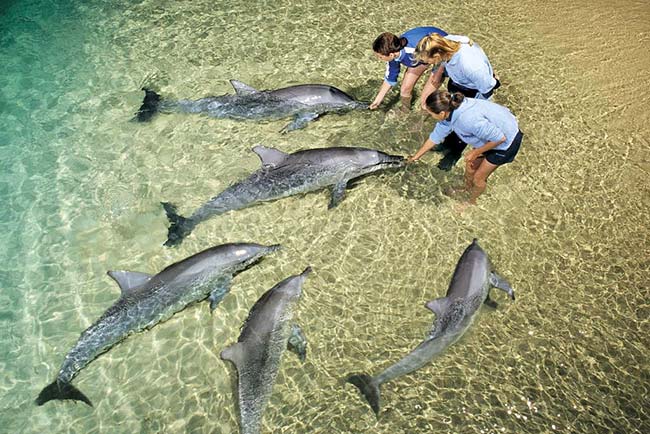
(435, 48)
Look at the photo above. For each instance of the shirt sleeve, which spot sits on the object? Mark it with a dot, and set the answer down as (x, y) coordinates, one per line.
(487, 131)
(440, 132)
(392, 72)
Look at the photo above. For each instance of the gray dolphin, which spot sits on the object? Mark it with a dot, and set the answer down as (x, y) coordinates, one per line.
(469, 289)
(304, 102)
(258, 351)
(147, 300)
(283, 175)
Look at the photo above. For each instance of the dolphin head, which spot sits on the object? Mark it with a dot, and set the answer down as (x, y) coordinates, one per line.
(234, 257)
(241, 255)
(371, 160)
(291, 287)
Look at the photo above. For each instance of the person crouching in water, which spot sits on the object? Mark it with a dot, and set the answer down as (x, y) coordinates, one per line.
(469, 71)
(489, 128)
(397, 51)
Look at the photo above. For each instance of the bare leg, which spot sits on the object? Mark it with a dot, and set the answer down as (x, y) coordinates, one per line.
(479, 181)
(408, 83)
(470, 172)
(433, 83)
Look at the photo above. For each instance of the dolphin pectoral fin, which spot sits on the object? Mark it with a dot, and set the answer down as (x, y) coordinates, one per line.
(297, 343)
(270, 157)
(218, 293)
(501, 283)
(234, 354)
(299, 122)
(338, 193)
(438, 305)
(127, 280)
(242, 88)
(489, 302)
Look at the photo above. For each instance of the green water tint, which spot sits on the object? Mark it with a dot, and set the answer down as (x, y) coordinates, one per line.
(565, 223)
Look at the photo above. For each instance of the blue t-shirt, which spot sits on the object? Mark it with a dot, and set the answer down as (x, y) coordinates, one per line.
(477, 122)
(406, 57)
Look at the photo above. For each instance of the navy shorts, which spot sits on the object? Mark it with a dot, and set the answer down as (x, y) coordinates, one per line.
(499, 157)
(471, 93)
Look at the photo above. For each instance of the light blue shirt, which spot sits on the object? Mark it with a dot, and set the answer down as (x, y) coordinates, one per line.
(477, 122)
(470, 67)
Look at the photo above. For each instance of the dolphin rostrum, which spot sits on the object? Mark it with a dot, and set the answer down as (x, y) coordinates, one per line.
(147, 300)
(304, 102)
(469, 289)
(257, 354)
(283, 175)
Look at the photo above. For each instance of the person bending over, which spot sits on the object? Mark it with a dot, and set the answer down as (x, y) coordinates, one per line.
(398, 51)
(489, 128)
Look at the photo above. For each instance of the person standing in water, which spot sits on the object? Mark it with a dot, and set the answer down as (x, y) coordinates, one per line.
(397, 51)
(469, 72)
(489, 128)
(460, 59)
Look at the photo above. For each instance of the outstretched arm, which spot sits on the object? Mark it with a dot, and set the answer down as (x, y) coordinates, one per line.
(432, 84)
(426, 147)
(383, 90)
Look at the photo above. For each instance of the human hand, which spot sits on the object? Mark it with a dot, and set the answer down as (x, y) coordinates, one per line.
(471, 156)
(374, 105)
(410, 159)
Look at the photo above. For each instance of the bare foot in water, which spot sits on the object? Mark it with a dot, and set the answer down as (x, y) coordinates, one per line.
(460, 207)
(453, 191)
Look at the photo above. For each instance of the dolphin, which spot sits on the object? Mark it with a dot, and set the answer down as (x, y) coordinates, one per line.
(257, 354)
(147, 300)
(469, 289)
(283, 175)
(304, 102)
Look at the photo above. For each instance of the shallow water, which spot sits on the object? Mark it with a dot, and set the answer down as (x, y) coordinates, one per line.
(566, 223)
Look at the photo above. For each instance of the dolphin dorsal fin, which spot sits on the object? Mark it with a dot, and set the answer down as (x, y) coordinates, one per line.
(438, 305)
(242, 88)
(127, 280)
(270, 157)
(235, 354)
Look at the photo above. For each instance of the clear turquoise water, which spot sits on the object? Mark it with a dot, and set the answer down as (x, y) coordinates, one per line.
(566, 223)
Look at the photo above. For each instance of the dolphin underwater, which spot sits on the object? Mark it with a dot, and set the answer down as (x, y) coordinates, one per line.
(304, 102)
(265, 335)
(147, 300)
(469, 289)
(283, 175)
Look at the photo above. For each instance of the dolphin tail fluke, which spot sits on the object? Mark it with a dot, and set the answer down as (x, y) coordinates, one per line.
(60, 390)
(149, 107)
(368, 387)
(180, 226)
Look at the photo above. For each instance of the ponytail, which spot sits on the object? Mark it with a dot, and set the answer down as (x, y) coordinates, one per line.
(443, 101)
(435, 48)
